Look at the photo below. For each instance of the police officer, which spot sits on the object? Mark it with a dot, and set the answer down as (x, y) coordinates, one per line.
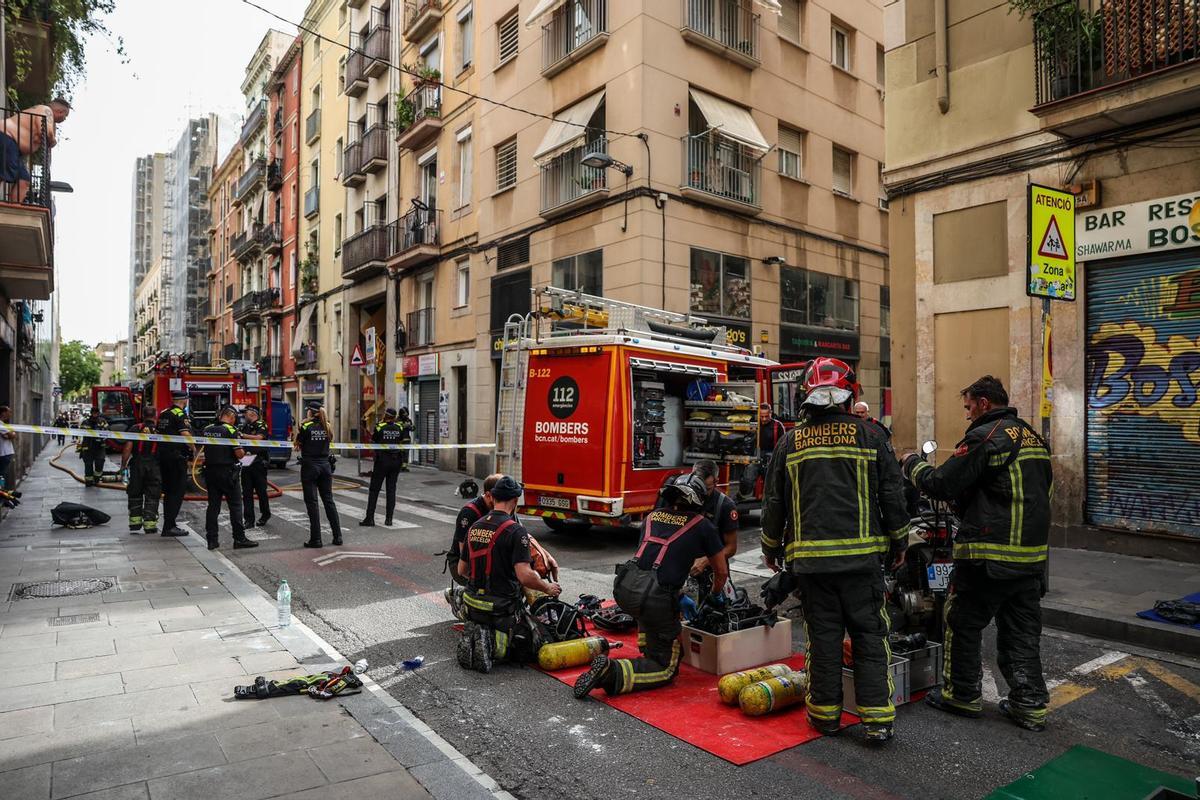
(406, 426)
(221, 480)
(254, 477)
(145, 480)
(387, 466)
(173, 461)
(648, 588)
(1000, 480)
(92, 448)
(316, 472)
(498, 566)
(836, 480)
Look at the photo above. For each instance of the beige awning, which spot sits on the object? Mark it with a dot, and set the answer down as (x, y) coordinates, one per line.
(771, 5)
(732, 121)
(568, 128)
(543, 8)
(303, 323)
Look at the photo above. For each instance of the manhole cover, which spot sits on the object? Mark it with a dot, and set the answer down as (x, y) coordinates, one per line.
(72, 588)
(73, 619)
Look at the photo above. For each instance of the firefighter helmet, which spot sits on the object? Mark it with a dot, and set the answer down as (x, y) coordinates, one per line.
(828, 382)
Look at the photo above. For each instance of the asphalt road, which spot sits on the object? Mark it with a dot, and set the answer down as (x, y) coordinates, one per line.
(385, 604)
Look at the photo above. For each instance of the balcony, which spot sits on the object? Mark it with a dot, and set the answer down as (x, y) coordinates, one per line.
(378, 48)
(420, 328)
(356, 67)
(416, 238)
(722, 171)
(312, 126)
(270, 367)
(574, 30)
(420, 16)
(312, 202)
(1100, 65)
(277, 122)
(275, 175)
(727, 27)
(245, 245)
(568, 184)
(269, 237)
(352, 164)
(249, 308)
(206, 313)
(366, 252)
(306, 358)
(419, 116)
(255, 171)
(258, 115)
(26, 224)
(231, 352)
(375, 149)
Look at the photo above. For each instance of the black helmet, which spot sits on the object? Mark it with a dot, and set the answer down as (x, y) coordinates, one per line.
(688, 488)
(507, 489)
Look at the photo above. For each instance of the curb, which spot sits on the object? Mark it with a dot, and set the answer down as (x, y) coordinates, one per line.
(1145, 633)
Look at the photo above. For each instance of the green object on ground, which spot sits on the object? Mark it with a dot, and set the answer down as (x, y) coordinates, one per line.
(1082, 773)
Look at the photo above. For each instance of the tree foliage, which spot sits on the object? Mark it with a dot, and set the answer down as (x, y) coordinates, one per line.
(78, 368)
(72, 23)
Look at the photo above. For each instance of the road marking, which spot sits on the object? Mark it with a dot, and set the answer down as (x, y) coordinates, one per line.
(1099, 662)
(1068, 693)
(1110, 666)
(1181, 731)
(332, 558)
(1179, 684)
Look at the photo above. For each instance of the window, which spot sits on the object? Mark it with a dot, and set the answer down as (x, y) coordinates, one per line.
(427, 177)
(791, 153)
(431, 53)
(316, 47)
(843, 171)
(885, 313)
(343, 13)
(789, 20)
(339, 157)
(509, 29)
(462, 283)
(720, 284)
(512, 253)
(506, 165)
(337, 328)
(510, 295)
(583, 272)
(316, 173)
(465, 168)
(841, 47)
(466, 37)
(879, 65)
(294, 270)
(316, 98)
(817, 299)
(337, 234)
(342, 75)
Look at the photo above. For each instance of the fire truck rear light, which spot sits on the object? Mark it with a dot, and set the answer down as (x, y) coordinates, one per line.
(600, 506)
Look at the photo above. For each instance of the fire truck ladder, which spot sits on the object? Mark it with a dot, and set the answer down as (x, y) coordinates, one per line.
(514, 361)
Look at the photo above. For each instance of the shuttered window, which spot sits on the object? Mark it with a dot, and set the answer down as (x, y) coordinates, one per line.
(791, 153)
(843, 171)
(789, 20)
(509, 29)
(506, 165)
(510, 254)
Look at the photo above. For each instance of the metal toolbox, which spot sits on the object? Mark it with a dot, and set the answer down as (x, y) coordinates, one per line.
(899, 673)
(924, 668)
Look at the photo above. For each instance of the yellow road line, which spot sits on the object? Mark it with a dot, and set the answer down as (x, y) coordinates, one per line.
(1068, 693)
(1179, 684)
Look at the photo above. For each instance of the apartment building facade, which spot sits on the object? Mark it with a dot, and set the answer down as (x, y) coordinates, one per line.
(146, 232)
(1098, 99)
(224, 277)
(147, 334)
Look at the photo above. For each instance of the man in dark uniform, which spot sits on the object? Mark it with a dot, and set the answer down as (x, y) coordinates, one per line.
(173, 461)
(498, 566)
(254, 477)
(1000, 480)
(145, 481)
(770, 432)
(313, 440)
(387, 466)
(406, 426)
(92, 448)
(833, 508)
(719, 509)
(648, 587)
(221, 480)
(468, 515)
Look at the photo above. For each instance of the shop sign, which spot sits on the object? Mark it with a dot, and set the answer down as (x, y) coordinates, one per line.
(737, 334)
(370, 336)
(313, 387)
(798, 341)
(498, 346)
(419, 366)
(1051, 265)
(1153, 226)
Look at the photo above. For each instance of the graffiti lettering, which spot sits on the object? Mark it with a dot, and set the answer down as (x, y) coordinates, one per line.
(1187, 295)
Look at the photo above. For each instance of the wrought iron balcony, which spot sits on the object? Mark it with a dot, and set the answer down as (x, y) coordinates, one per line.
(277, 122)
(270, 367)
(575, 29)
(722, 171)
(275, 175)
(377, 48)
(420, 115)
(420, 327)
(248, 308)
(727, 27)
(269, 237)
(245, 245)
(255, 171)
(258, 115)
(568, 184)
(26, 222)
(366, 252)
(420, 16)
(352, 164)
(416, 238)
(375, 148)
(306, 358)
(312, 126)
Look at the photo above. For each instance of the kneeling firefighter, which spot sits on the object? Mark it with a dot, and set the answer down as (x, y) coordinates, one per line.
(648, 588)
(497, 562)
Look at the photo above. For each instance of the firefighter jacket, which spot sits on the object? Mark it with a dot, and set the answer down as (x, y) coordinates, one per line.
(1000, 481)
(141, 449)
(93, 444)
(834, 498)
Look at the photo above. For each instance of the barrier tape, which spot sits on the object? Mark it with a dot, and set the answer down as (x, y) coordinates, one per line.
(128, 436)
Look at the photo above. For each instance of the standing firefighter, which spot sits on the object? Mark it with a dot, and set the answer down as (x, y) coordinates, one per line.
(648, 588)
(173, 461)
(91, 448)
(1000, 480)
(316, 473)
(406, 426)
(221, 480)
(254, 477)
(834, 508)
(145, 481)
(387, 466)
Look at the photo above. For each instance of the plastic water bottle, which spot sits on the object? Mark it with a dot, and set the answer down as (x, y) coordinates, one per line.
(283, 602)
(360, 666)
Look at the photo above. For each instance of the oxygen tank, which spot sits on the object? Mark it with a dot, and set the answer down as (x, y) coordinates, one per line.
(572, 653)
(731, 685)
(773, 694)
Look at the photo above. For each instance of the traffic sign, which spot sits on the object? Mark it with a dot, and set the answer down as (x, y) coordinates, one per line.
(356, 358)
(1051, 232)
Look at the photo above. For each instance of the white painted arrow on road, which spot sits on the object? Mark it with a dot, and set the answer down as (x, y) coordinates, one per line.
(326, 560)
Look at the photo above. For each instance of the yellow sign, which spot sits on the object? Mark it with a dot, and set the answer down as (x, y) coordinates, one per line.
(1051, 243)
(399, 376)
(1047, 370)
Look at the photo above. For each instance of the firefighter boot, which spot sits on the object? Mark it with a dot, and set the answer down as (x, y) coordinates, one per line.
(879, 732)
(938, 699)
(135, 525)
(466, 646)
(596, 677)
(1031, 719)
(481, 645)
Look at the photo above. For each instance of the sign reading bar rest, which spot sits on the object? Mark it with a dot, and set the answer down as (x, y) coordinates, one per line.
(1051, 272)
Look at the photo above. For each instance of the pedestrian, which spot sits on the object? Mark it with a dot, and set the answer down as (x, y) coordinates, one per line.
(221, 481)
(316, 473)
(863, 411)
(832, 510)
(648, 587)
(92, 448)
(387, 466)
(254, 477)
(770, 432)
(173, 460)
(406, 426)
(60, 422)
(1000, 479)
(7, 448)
(145, 478)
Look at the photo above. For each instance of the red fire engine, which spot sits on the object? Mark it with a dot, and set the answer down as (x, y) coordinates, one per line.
(601, 401)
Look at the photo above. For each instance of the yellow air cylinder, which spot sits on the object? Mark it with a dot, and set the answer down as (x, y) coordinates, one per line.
(573, 653)
(731, 685)
(773, 694)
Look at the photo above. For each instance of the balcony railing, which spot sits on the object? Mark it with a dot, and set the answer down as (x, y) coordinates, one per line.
(375, 148)
(419, 15)
(566, 181)
(420, 327)
(306, 358)
(423, 110)
(312, 126)
(352, 164)
(270, 367)
(30, 185)
(244, 244)
(367, 248)
(722, 168)
(275, 175)
(575, 29)
(258, 116)
(254, 303)
(312, 201)
(729, 27)
(419, 227)
(269, 236)
(26, 222)
(377, 48)
(356, 67)
(254, 173)
(277, 122)
(1082, 45)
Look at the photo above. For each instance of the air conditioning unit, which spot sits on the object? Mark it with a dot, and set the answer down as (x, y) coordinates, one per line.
(883, 204)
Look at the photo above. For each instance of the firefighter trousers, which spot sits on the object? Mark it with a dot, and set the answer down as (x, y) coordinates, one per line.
(174, 471)
(656, 609)
(144, 489)
(836, 604)
(1015, 604)
(223, 485)
(93, 465)
(254, 481)
(512, 633)
(384, 473)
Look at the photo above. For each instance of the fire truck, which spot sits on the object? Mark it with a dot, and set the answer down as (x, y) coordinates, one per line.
(601, 401)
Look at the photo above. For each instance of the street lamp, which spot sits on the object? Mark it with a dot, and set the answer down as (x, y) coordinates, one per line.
(605, 161)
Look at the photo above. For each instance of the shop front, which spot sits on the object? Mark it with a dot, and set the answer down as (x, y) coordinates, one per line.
(422, 389)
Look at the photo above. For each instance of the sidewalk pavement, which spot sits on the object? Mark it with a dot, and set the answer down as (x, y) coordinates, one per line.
(127, 693)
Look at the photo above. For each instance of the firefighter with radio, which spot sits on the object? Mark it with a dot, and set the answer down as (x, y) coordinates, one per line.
(254, 477)
(648, 588)
(832, 511)
(498, 564)
(221, 470)
(1000, 480)
(92, 448)
(388, 464)
(145, 480)
(173, 461)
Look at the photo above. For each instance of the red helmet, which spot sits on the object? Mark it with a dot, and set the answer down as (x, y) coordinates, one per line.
(829, 382)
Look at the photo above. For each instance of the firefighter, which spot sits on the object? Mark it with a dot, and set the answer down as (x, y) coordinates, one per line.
(406, 426)
(387, 466)
(499, 566)
(254, 477)
(648, 587)
(770, 432)
(1000, 480)
(91, 448)
(221, 470)
(834, 486)
(145, 480)
(718, 508)
(173, 461)
(468, 515)
(316, 472)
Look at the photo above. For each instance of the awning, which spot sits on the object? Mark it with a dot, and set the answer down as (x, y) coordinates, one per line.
(732, 121)
(771, 5)
(302, 325)
(568, 128)
(543, 8)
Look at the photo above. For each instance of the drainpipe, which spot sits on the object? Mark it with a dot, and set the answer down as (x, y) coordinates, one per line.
(940, 67)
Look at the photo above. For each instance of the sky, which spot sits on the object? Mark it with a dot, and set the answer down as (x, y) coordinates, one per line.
(183, 58)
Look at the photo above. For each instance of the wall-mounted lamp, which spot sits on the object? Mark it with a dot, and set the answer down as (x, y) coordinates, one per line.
(775, 261)
(605, 161)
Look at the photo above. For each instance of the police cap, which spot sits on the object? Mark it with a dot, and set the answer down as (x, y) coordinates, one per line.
(179, 394)
(314, 405)
(390, 413)
(507, 489)
(253, 408)
(226, 409)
